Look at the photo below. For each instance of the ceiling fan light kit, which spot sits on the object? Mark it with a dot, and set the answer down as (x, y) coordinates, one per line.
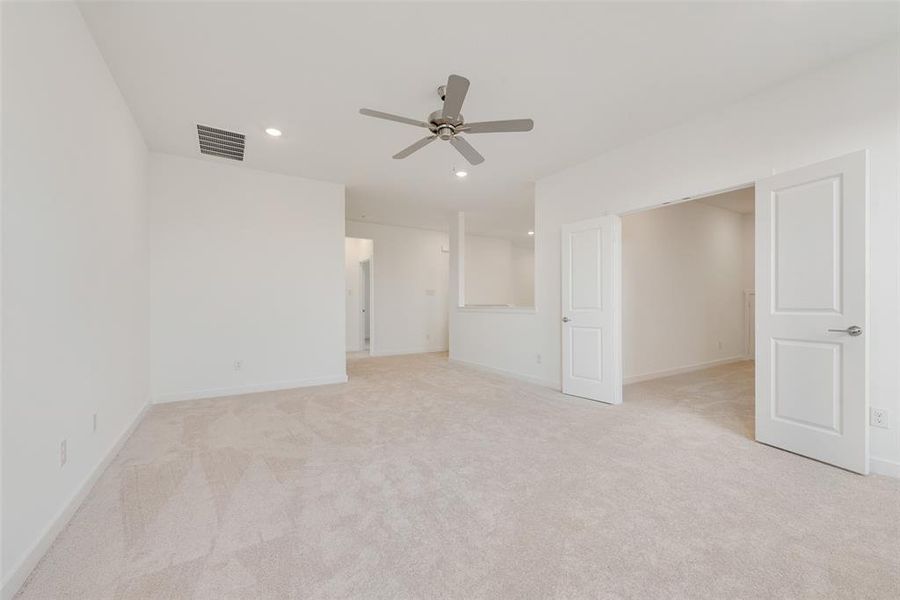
(448, 122)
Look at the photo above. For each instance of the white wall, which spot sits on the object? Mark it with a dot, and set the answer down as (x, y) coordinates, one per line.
(355, 251)
(748, 242)
(682, 288)
(245, 266)
(488, 270)
(496, 272)
(847, 106)
(523, 275)
(75, 273)
(410, 273)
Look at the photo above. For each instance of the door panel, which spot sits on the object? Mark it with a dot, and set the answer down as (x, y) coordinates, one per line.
(807, 265)
(586, 249)
(591, 367)
(811, 277)
(587, 353)
(814, 402)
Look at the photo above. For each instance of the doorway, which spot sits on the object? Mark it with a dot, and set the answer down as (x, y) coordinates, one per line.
(359, 265)
(811, 276)
(687, 287)
(687, 276)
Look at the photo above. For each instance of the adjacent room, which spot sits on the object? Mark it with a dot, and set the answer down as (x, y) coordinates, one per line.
(687, 305)
(449, 300)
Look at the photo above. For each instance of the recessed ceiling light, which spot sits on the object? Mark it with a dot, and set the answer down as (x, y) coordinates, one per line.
(273, 132)
(461, 174)
(530, 233)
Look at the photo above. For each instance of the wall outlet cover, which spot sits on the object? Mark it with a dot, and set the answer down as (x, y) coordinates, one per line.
(878, 417)
(63, 453)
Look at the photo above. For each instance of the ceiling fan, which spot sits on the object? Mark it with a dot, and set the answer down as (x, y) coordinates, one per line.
(448, 122)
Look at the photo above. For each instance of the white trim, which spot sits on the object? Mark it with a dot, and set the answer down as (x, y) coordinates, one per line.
(19, 574)
(249, 389)
(883, 466)
(503, 372)
(685, 369)
(402, 352)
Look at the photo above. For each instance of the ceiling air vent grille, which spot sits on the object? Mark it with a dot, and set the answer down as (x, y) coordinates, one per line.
(218, 142)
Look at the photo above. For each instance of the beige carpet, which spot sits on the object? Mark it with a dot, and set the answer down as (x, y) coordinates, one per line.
(423, 479)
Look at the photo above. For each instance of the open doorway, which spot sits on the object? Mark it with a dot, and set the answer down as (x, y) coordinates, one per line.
(811, 279)
(359, 258)
(688, 306)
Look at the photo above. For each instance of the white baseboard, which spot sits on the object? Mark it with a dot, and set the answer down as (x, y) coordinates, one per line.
(685, 369)
(883, 466)
(511, 374)
(20, 572)
(405, 351)
(249, 389)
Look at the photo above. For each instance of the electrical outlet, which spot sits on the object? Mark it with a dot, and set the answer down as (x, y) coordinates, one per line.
(538, 358)
(720, 344)
(427, 336)
(95, 423)
(878, 417)
(238, 365)
(63, 453)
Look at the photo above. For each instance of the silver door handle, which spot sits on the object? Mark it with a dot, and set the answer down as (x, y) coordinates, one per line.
(853, 330)
(566, 319)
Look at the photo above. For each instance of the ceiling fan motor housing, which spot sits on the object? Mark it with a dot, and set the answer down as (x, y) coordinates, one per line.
(444, 127)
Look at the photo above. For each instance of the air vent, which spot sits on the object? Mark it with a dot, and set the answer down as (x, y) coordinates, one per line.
(218, 142)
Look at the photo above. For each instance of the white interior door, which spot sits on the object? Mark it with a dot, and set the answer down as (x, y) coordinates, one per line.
(591, 289)
(811, 284)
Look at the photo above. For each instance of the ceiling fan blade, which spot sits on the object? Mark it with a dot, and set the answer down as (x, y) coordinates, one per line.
(498, 126)
(454, 94)
(466, 149)
(417, 146)
(389, 117)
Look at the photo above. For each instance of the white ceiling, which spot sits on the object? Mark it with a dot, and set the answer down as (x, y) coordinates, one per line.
(592, 76)
(741, 201)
